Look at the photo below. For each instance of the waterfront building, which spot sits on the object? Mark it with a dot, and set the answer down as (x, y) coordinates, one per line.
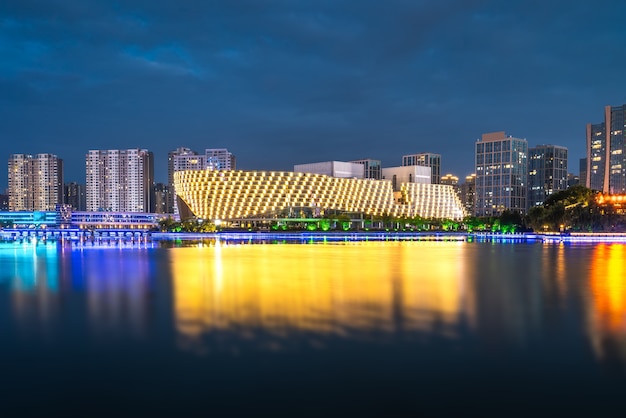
(406, 174)
(78, 219)
(75, 195)
(606, 159)
(120, 180)
(219, 159)
(264, 195)
(372, 168)
(35, 182)
(426, 159)
(468, 194)
(339, 169)
(4, 202)
(547, 172)
(501, 174)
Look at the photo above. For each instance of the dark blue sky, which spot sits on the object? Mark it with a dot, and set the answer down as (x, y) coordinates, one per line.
(286, 82)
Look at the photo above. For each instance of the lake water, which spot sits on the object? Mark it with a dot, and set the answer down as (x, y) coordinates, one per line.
(415, 328)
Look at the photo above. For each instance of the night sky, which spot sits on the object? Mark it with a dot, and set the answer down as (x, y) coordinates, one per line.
(286, 82)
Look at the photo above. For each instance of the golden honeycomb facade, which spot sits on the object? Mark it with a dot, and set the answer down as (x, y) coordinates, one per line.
(236, 194)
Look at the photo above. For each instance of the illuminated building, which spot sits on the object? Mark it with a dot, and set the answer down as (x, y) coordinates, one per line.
(612, 203)
(547, 172)
(50, 219)
(606, 160)
(501, 174)
(425, 159)
(234, 195)
(35, 182)
(120, 180)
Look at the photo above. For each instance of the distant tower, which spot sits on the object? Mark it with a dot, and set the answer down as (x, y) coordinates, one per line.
(161, 198)
(452, 180)
(501, 174)
(582, 171)
(76, 196)
(468, 194)
(547, 172)
(35, 183)
(425, 159)
(120, 180)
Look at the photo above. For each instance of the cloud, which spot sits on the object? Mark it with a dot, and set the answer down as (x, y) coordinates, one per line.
(264, 78)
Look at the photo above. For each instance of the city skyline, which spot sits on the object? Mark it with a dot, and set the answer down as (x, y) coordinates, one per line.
(280, 84)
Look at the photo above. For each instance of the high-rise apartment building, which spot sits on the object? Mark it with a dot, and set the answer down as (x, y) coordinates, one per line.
(35, 182)
(120, 180)
(606, 152)
(426, 159)
(372, 168)
(219, 159)
(547, 172)
(76, 196)
(501, 174)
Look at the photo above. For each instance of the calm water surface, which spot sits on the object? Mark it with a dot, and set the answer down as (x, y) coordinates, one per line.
(385, 328)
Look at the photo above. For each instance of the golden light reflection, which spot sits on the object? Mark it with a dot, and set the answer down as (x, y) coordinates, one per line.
(353, 289)
(608, 296)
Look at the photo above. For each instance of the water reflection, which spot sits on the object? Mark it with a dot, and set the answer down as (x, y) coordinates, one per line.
(279, 296)
(104, 289)
(364, 290)
(31, 270)
(607, 290)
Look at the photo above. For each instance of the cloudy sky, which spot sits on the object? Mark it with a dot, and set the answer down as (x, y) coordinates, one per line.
(280, 82)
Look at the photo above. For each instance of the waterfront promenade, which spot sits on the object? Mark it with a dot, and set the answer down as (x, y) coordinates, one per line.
(77, 234)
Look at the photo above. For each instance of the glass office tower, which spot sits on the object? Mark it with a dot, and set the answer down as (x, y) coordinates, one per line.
(501, 174)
